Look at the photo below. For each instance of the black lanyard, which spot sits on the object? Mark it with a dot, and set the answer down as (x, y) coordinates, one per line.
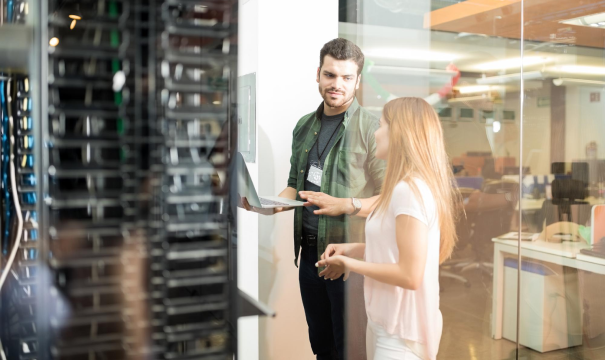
(328, 144)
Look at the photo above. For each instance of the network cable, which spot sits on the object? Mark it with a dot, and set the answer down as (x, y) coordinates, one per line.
(2, 354)
(19, 234)
(5, 163)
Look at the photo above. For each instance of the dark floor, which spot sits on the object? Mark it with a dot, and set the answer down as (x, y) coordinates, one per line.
(467, 332)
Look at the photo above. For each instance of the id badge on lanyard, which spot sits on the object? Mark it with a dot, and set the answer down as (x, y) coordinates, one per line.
(315, 173)
(315, 170)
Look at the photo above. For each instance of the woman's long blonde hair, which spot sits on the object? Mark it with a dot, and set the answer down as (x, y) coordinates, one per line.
(417, 150)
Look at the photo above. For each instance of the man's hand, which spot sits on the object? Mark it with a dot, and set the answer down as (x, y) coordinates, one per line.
(328, 205)
(243, 203)
(336, 266)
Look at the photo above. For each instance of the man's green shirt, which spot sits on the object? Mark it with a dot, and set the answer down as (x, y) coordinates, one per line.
(350, 170)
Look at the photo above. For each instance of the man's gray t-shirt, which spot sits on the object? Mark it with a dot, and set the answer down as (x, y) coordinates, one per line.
(325, 140)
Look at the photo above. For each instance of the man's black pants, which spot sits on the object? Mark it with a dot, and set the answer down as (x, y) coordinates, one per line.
(324, 303)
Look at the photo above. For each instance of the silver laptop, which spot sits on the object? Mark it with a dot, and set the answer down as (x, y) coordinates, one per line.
(246, 189)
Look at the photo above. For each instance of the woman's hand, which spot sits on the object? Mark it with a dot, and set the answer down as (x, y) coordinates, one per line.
(336, 266)
(354, 250)
(333, 250)
(328, 205)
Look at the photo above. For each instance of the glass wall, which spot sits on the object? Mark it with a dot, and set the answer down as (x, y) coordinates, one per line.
(420, 49)
(561, 308)
(525, 132)
(519, 88)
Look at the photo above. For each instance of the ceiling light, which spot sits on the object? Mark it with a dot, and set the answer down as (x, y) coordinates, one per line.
(592, 20)
(400, 70)
(72, 25)
(54, 41)
(564, 81)
(512, 63)
(471, 98)
(581, 69)
(73, 10)
(503, 79)
(497, 126)
(476, 89)
(411, 54)
(216, 102)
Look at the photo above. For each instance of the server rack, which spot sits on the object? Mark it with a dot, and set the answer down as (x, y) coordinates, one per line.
(124, 131)
(20, 204)
(196, 67)
(95, 245)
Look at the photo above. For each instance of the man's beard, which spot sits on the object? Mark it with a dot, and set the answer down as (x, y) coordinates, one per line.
(335, 103)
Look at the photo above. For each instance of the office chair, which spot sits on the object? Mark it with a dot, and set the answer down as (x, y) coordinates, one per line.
(449, 268)
(489, 222)
(567, 203)
(469, 182)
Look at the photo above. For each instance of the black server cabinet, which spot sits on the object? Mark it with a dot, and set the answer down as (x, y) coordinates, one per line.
(126, 244)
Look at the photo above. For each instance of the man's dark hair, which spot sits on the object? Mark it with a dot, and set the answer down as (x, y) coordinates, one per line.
(342, 49)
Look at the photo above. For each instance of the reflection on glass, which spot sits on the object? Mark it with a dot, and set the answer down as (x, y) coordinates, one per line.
(524, 125)
(563, 128)
(459, 57)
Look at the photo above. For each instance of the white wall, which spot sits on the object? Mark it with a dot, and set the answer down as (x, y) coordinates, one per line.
(247, 251)
(290, 38)
(280, 41)
(584, 122)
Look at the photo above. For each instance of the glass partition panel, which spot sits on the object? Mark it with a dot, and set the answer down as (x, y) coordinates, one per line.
(464, 59)
(561, 285)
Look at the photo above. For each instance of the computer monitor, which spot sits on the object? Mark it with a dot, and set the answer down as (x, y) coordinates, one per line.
(577, 170)
(596, 169)
(568, 194)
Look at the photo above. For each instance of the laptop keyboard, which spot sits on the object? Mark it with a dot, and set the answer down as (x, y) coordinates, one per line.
(264, 201)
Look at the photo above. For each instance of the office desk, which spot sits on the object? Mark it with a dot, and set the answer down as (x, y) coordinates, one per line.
(536, 204)
(591, 259)
(565, 253)
(531, 204)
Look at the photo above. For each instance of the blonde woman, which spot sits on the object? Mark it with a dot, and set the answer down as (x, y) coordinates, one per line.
(410, 232)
